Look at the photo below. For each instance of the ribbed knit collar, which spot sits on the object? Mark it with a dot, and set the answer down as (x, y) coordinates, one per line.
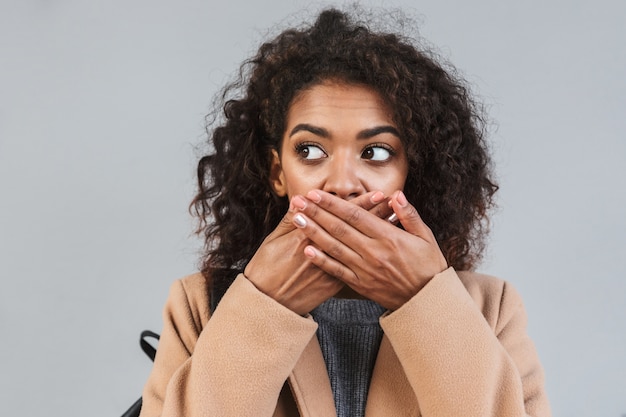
(348, 311)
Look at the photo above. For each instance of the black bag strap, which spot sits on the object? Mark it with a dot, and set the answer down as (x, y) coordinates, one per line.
(134, 409)
(149, 350)
(145, 345)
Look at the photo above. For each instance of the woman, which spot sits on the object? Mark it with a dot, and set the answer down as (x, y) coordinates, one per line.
(343, 206)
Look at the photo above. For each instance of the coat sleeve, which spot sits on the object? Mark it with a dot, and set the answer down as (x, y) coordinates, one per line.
(233, 364)
(465, 351)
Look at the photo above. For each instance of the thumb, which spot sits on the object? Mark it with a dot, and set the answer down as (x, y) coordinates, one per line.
(409, 217)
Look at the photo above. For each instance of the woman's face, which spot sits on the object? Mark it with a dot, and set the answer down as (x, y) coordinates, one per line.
(339, 138)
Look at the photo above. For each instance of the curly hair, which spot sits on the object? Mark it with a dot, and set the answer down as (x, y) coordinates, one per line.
(450, 181)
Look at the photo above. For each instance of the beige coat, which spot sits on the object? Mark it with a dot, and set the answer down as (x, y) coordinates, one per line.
(458, 348)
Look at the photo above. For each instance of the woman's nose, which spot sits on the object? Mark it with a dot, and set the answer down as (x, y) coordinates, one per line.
(343, 179)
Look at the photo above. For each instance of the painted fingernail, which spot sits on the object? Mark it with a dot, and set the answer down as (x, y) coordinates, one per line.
(377, 197)
(314, 196)
(298, 202)
(402, 199)
(299, 220)
(309, 252)
(393, 218)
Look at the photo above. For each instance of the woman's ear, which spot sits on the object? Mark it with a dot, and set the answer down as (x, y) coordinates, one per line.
(277, 177)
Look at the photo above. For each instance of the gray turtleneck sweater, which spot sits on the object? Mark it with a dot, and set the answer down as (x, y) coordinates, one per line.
(349, 335)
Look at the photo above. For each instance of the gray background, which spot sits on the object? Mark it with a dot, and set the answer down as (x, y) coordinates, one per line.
(101, 106)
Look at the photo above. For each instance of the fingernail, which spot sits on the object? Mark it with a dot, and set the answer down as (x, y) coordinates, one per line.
(377, 197)
(401, 198)
(314, 196)
(309, 252)
(393, 218)
(298, 202)
(299, 220)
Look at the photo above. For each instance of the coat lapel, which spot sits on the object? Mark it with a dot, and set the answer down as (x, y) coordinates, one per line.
(310, 384)
(390, 393)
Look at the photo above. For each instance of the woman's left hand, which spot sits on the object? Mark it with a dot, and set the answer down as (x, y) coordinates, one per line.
(375, 258)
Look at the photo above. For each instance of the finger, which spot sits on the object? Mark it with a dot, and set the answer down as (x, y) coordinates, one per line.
(368, 200)
(332, 243)
(327, 208)
(408, 216)
(375, 202)
(329, 265)
(381, 208)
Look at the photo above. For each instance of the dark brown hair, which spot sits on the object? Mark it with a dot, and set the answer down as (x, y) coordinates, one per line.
(449, 180)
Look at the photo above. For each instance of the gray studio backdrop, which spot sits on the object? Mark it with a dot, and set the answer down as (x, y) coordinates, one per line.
(102, 104)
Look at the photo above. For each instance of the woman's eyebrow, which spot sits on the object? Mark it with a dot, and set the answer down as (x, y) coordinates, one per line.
(318, 131)
(364, 134)
(370, 133)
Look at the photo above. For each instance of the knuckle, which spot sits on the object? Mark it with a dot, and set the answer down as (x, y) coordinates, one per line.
(311, 232)
(354, 215)
(335, 250)
(412, 212)
(338, 272)
(379, 212)
(329, 203)
(312, 210)
(338, 230)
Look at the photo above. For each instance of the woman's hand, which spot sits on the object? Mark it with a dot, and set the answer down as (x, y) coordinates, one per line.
(280, 269)
(375, 258)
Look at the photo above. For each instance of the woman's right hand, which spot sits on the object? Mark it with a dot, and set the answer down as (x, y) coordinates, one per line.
(280, 270)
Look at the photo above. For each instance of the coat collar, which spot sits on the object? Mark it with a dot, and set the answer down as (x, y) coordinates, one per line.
(390, 393)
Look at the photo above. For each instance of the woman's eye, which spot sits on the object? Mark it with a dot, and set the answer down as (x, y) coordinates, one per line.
(310, 152)
(376, 153)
